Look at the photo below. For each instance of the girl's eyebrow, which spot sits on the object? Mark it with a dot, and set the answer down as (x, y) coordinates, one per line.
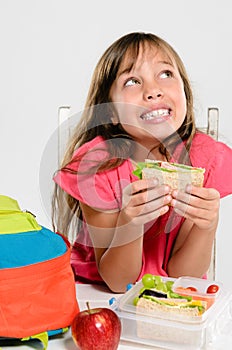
(169, 63)
(124, 71)
(128, 69)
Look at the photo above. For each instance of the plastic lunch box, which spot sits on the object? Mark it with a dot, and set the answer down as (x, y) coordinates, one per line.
(179, 333)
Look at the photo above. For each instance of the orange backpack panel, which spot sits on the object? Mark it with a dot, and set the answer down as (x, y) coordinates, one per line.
(37, 286)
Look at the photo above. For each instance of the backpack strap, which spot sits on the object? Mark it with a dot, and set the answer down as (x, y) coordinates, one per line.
(43, 337)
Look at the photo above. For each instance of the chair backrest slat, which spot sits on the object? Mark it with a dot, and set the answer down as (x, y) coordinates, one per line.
(212, 130)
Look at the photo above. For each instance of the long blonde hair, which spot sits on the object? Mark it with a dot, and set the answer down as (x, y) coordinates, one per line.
(96, 120)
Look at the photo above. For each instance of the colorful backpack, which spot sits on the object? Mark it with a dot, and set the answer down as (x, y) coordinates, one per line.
(37, 286)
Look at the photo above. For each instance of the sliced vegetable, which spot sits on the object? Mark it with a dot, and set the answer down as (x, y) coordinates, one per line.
(193, 289)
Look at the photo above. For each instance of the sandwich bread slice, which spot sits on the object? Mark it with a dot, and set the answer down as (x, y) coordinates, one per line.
(157, 297)
(177, 176)
(167, 307)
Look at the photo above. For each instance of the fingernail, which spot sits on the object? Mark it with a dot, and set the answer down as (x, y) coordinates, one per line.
(168, 198)
(188, 188)
(173, 202)
(164, 210)
(174, 193)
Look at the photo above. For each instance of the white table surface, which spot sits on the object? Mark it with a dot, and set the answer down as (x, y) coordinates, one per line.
(97, 296)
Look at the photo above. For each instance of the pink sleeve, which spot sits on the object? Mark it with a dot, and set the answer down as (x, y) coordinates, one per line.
(220, 170)
(216, 158)
(100, 190)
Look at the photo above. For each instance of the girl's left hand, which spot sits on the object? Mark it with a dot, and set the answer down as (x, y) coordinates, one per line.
(199, 204)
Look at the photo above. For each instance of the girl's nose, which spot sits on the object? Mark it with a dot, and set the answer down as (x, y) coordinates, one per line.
(152, 93)
(151, 97)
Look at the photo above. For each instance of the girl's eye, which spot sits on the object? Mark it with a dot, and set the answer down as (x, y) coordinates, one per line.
(131, 81)
(166, 74)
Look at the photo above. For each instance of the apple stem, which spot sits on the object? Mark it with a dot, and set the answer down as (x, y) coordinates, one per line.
(88, 307)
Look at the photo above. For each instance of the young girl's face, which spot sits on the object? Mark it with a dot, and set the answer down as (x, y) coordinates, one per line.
(149, 97)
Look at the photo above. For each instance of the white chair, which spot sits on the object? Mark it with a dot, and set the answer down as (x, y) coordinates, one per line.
(213, 120)
(64, 115)
(212, 130)
(64, 129)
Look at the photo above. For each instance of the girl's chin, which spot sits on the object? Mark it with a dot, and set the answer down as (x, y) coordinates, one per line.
(160, 130)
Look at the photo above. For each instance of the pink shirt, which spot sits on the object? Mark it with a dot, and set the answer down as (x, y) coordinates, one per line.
(103, 191)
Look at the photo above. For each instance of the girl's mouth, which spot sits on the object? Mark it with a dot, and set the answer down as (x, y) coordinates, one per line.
(157, 115)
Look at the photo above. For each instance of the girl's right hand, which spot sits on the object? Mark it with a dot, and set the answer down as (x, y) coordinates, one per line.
(145, 200)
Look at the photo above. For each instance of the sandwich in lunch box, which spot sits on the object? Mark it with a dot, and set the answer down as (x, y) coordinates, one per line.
(162, 301)
(164, 306)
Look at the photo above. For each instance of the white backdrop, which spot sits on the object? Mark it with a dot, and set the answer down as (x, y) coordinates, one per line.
(49, 49)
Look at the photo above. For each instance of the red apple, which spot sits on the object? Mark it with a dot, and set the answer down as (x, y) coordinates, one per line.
(96, 329)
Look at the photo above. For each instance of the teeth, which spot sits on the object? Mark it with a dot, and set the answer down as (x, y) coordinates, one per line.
(155, 114)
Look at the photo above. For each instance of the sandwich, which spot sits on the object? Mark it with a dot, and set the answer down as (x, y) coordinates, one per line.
(162, 301)
(177, 176)
(165, 307)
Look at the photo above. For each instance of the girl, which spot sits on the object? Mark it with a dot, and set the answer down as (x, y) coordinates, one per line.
(139, 105)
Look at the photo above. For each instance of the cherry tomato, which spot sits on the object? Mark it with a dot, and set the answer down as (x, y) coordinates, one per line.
(193, 289)
(213, 288)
